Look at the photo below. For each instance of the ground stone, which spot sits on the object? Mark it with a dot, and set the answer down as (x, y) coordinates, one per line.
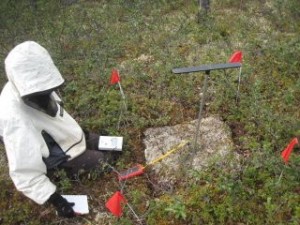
(214, 142)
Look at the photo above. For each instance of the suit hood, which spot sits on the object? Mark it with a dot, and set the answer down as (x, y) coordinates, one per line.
(30, 69)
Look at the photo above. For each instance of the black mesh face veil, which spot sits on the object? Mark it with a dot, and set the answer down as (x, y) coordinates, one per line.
(42, 101)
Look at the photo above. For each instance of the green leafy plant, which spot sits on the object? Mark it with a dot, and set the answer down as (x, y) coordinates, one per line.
(177, 209)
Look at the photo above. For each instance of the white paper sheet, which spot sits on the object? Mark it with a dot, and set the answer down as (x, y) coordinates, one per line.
(81, 203)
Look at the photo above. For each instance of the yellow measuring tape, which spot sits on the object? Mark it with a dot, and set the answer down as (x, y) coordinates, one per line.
(177, 147)
(139, 169)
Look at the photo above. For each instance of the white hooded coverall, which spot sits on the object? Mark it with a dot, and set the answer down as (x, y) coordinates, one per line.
(30, 69)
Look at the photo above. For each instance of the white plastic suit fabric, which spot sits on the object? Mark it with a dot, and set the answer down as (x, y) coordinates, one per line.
(30, 69)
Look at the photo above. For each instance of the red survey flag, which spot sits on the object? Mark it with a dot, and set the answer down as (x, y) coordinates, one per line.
(115, 77)
(114, 203)
(236, 57)
(288, 150)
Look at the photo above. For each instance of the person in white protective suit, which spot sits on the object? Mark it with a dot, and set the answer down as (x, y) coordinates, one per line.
(38, 134)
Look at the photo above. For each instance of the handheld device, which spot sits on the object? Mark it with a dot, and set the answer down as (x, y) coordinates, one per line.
(110, 143)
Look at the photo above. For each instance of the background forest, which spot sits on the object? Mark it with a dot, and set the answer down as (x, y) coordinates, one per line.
(145, 40)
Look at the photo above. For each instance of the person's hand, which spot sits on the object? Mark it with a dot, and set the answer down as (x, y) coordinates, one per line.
(62, 206)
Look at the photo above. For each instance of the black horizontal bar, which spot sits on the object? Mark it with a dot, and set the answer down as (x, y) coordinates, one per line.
(206, 68)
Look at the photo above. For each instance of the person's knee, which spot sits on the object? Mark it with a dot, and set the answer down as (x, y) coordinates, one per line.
(92, 141)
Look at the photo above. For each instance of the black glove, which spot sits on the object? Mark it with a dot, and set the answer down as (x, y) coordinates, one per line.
(62, 206)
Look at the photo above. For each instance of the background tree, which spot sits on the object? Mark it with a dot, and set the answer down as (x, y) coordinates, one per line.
(204, 7)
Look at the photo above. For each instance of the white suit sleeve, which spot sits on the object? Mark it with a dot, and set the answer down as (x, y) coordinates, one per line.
(26, 167)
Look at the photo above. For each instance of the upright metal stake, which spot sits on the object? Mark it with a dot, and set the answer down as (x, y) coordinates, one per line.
(206, 69)
(201, 108)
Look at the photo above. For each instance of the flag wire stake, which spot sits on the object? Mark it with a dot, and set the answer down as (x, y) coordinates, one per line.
(122, 185)
(281, 174)
(120, 116)
(123, 105)
(122, 94)
(238, 87)
(134, 213)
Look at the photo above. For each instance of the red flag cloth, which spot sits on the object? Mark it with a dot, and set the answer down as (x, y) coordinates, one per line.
(236, 57)
(114, 204)
(115, 77)
(288, 150)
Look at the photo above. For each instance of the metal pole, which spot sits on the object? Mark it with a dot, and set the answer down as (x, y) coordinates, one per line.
(201, 109)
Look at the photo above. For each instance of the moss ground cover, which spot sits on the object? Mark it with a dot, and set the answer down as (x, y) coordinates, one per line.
(145, 40)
